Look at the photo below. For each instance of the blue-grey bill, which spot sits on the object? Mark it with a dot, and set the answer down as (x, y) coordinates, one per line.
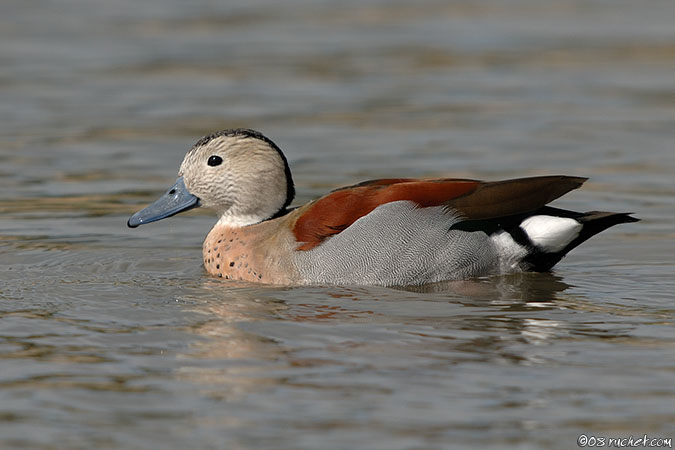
(177, 199)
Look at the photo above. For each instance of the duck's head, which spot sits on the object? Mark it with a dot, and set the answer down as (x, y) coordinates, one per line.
(240, 173)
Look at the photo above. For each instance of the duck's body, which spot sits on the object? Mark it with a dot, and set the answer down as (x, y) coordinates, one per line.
(386, 232)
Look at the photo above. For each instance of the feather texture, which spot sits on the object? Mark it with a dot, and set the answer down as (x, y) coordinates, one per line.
(471, 199)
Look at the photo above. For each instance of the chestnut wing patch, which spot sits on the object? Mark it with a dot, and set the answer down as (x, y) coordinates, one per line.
(336, 211)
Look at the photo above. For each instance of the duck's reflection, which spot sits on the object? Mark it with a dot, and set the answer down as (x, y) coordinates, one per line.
(521, 287)
(256, 336)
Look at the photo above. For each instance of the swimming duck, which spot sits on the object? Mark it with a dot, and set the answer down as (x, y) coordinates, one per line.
(391, 232)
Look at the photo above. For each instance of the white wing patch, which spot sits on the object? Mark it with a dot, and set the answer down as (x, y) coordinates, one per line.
(550, 233)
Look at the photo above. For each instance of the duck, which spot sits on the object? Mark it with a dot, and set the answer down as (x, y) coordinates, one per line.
(388, 232)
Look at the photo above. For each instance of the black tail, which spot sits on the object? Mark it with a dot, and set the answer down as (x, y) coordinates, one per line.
(593, 223)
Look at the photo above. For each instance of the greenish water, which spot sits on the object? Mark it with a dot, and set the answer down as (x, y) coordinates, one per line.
(114, 338)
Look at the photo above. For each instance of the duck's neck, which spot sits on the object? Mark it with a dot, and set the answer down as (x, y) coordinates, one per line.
(228, 220)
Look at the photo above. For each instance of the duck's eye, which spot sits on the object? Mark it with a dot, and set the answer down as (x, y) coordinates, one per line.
(214, 160)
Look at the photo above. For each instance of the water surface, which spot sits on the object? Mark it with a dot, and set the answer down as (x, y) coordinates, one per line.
(117, 338)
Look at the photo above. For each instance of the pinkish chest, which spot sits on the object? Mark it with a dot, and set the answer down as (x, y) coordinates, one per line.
(230, 253)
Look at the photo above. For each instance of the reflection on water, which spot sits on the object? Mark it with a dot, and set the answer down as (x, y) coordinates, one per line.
(328, 349)
(118, 339)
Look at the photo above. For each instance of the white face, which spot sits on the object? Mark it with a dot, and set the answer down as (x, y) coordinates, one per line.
(243, 178)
